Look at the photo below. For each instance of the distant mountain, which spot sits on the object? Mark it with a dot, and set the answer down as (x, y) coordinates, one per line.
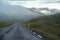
(4, 17)
(54, 11)
(18, 12)
(43, 9)
(46, 11)
(33, 8)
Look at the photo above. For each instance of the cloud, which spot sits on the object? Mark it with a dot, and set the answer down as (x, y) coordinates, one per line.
(42, 1)
(32, 0)
(19, 0)
(36, 4)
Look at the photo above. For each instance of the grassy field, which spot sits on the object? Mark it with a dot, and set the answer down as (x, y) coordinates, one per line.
(6, 24)
(48, 26)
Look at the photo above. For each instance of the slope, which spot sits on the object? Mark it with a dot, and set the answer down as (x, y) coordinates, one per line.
(48, 26)
(19, 12)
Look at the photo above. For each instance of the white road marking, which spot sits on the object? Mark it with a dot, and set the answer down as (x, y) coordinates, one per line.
(39, 36)
(34, 32)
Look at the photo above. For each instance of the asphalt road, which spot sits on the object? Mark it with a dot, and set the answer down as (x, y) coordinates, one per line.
(17, 32)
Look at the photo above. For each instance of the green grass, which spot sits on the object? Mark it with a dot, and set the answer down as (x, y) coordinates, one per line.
(48, 26)
(6, 24)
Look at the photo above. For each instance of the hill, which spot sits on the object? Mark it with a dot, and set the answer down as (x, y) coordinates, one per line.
(48, 26)
(45, 11)
(18, 12)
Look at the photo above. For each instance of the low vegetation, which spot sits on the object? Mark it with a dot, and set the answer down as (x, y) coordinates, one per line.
(48, 26)
(6, 24)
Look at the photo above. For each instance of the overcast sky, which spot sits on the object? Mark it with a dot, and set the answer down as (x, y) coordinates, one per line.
(35, 3)
(35, 0)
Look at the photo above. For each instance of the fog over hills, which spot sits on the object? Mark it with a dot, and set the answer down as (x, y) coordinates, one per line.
(46, 11)
(18, 12)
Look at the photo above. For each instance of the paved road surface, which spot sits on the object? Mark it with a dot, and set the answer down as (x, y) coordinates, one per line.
(17, 32)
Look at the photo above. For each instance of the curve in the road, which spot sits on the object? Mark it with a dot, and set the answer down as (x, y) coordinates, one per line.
(17, 32)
